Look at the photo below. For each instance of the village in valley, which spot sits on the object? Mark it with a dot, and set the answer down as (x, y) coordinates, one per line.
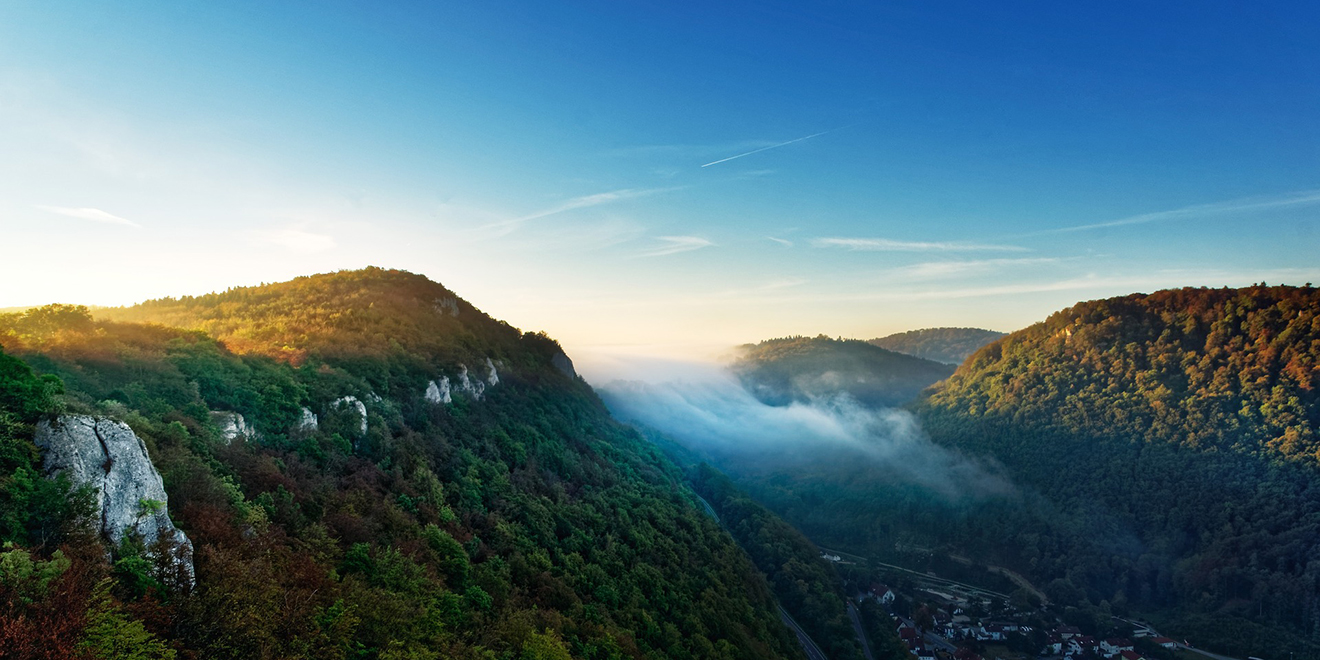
(942, 619)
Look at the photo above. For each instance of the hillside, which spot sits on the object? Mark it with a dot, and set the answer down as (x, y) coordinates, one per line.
(1174, 436)
(778, 371)
(408, 478)
(947, 345)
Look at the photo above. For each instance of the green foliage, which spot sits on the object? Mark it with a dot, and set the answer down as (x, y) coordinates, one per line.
(113, 635)
(544, 646)
(28, 579)
(33, 511)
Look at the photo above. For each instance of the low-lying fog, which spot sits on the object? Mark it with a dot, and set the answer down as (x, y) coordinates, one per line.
(705, 408)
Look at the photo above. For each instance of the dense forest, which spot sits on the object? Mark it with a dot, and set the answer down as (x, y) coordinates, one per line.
(947, 345)
(521, 523)
(1162, 452)
(778, 371)
(1175, 437)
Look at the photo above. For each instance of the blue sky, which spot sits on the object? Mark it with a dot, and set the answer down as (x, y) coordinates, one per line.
(664, 177)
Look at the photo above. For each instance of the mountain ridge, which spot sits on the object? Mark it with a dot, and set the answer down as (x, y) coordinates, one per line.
(513, 520)
(947, 345)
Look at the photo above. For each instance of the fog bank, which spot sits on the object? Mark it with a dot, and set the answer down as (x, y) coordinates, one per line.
(707, 409)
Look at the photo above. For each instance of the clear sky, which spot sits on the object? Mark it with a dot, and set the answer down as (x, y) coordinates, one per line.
(664, 177)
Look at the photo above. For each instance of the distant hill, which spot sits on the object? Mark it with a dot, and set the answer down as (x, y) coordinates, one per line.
(779, 371)
(947, 345)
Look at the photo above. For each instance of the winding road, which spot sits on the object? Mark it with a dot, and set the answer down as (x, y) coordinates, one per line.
(813, 651)
(861, 635)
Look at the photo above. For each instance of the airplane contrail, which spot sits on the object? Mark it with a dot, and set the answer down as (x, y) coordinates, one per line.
(773, 146)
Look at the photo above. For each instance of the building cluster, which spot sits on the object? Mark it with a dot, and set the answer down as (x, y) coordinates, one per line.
(1069, 643)
(950, 633)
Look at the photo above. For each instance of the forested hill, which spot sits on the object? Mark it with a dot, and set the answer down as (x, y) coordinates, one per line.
(1176, 433)
(778, 371)
(348, 315)
(409, 479)
(947, 345)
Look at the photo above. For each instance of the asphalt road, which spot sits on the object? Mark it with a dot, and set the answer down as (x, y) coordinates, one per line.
(813, 651)
(857, 626)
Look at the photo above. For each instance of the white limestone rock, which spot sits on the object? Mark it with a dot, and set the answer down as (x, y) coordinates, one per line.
(233, 426)
(442, 390)
(468, 385)
(439, 391)
(449, 305)
(308, 421)
(130, 496)
(356, 404)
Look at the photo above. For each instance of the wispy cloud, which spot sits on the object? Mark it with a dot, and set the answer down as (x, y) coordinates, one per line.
(95, 215)
(505, 227)
(588, 201)
(890, 245)
(782, 241)
(933, 269)
(293, 239)
(767, 148)
(676, 244)
(1244, 205)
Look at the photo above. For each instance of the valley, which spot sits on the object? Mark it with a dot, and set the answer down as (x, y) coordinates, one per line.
(424, 476)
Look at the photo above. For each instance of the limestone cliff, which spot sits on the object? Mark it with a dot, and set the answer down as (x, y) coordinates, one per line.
(111, 458)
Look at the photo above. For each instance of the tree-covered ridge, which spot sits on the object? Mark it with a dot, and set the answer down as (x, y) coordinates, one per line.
(779, 371)
(526, 524)
(947, 345)
(346, 315)
(1173, 439)
(1229, 370)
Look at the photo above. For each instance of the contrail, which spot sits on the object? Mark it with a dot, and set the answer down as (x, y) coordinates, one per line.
(773, 146)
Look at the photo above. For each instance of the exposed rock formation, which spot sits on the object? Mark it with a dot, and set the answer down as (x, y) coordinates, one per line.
(113, 460)
(308, 421)
(359, 406)
(232, 426)
(442, 390)
(447, 305)
(439, 391)
(466, 384)
(561, 362)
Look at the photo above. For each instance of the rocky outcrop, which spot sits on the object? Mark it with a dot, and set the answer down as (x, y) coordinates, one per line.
(474, 387)
(442, 390)
(439, 391)
(356, 404)
(308, 421)
(232, 426)
(130, 497)
(561, 362)
(449, 305)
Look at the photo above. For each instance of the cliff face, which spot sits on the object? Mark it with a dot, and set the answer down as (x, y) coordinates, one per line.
(113, 460)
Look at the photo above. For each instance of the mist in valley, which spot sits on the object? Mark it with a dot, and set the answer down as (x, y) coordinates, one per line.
(710, 411)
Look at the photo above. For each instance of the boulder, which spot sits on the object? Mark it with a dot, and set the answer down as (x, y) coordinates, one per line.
(111, 458)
